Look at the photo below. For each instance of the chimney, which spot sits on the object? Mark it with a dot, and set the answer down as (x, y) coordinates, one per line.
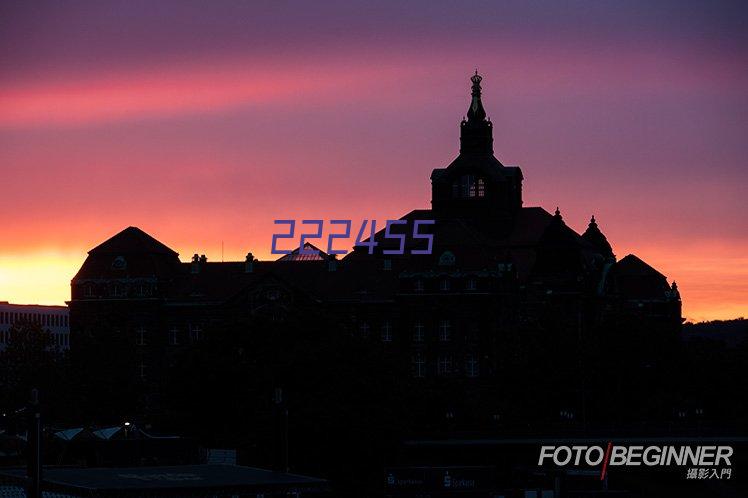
(249, 263)
(195, 266)
(332, 263)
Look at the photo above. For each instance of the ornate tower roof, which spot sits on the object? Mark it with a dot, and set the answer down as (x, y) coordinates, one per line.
(594, 236)
(476, 111)
(476, 135)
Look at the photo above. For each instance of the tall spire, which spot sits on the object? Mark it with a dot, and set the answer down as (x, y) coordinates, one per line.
(476, 111)
(476, 136)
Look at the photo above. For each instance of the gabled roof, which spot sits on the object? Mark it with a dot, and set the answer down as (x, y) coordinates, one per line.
(632, 266)
(107, 432)
(632, 278)
(296, 256)
(132, 240)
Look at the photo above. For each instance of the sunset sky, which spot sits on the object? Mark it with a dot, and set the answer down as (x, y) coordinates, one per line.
(202, 122)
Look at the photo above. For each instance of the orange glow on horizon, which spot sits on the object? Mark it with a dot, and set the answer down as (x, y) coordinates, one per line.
(208, 151)
(712, 278)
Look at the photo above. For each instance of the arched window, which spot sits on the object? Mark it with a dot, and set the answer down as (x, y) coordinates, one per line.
(469, 187)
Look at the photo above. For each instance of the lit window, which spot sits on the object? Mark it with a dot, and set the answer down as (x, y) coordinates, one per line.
(481, 187)
(386, 332)
(469, 187)
(418, 285)
(445, 330)
(387, 264)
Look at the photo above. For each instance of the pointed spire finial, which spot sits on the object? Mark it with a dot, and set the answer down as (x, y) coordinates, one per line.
(476, 111)
(558, 212)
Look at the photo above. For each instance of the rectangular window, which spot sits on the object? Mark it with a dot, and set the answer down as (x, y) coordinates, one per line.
(444, 365)
(174, 336)
(364, 329)
(419, 366)
(418, 332)
(140, 336)
(195, 333)
(472, 368)
(445, 330)
(386, 332)
(481, 187)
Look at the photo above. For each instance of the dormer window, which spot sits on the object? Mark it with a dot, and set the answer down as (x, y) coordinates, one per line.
(469, 187)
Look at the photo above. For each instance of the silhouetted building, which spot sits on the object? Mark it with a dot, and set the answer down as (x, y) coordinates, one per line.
(501, 280)
(52, 319)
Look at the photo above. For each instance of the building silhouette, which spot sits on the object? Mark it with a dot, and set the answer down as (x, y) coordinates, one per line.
(502, 280)
(52, 319)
